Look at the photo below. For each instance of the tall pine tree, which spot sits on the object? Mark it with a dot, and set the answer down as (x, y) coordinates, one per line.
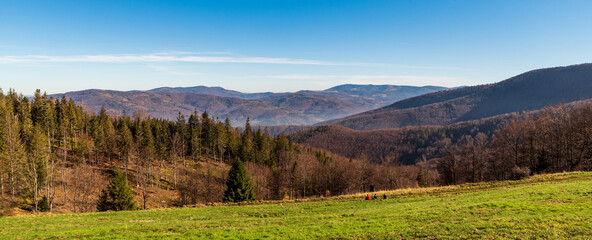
(238, 186)
(12, 150)
(37, 161)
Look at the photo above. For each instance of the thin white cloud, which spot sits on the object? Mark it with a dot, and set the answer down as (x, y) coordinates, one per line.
(155, 58)
(193, 57)
(416, 80)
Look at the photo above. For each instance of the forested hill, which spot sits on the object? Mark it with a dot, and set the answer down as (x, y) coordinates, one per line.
(169, 105)
(54, 156)
(528, 91)
(215, 91)
(407, 145)
(552, 139)
(302, 107)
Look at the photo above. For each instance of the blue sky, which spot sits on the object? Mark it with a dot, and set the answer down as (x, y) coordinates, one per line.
(284, 45)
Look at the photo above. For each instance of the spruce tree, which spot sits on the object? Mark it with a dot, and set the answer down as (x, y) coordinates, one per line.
(12, 150)
(231, 141)
(238, 185)
(246, 143)
(194, 136)
(37, 161)
(118, 196)
(43, 204)
(124, 143)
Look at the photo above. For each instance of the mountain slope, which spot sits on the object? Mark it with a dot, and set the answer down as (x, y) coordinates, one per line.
(303, 107)
(528, 91)
(394, 145)
(169, 105)
(386, 93)
(215, 91)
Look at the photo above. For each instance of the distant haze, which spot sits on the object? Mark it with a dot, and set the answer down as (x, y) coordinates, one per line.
(295, 108)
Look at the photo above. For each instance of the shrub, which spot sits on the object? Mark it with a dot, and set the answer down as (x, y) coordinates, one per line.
(43, 204)
(520, 172)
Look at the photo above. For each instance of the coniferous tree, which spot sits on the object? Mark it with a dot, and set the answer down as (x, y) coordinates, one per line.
(145, 141)
(238, 186)
(194, 136)
(44, 204)
(246, 143)
(231, 142)
(180, 128)
(63, 119)
(37, 162)
(161, 138)
(104, 133)
(207, 132)
(124, 144)
(12, 150)
(281, 147)
(221, 137)
(118, 196)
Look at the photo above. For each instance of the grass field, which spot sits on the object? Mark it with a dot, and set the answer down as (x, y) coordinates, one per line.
(546, 206)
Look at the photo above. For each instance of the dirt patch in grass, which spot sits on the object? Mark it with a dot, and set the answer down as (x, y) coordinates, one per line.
(558, 202)
(142, 221)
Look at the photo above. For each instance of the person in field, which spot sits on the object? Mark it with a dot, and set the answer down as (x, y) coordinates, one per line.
(368, 197)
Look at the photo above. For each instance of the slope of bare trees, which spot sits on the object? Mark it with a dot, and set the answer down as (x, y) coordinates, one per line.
(555, 139)
(407, 145)
(508, 146)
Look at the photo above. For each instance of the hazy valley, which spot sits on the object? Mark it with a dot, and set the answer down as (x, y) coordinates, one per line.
(299, 108)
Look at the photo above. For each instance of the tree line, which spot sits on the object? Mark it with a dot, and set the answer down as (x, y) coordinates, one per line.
(554, 139)
(509, 146)
(55, 154)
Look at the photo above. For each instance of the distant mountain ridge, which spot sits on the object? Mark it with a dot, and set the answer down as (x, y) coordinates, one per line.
(528, 91)
(297, 108)
(216, 91)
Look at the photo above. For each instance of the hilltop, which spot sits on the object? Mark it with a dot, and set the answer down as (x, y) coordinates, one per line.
(528, 91)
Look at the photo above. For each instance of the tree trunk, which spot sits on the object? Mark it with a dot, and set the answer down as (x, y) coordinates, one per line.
(12, 183)
(2, 184)
(175, 173)
(36, 187)
(49, 171)
(64, 163)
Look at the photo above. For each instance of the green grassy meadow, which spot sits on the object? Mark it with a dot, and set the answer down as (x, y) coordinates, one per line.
(557, 206)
